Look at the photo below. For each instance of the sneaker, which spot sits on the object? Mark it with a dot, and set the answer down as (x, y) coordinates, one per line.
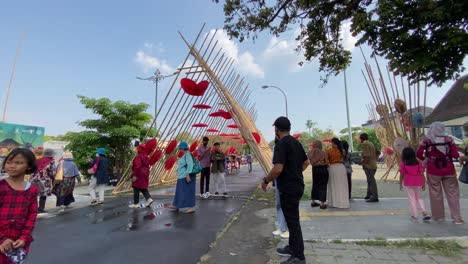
(225, 194)
(134, 206)
(207, 195)
(314, 204)
(93, 202)
(216, 193)
(285, 235)
(285, 252)
(414, 219)
(189, 211)
(372, 200)
(277, 232)
(426, 217)
(149, 202)
(101, 203)
(42, 211)
(293, 260)
(323, 207)
(459, 222)
(367, 197)
(202, 195)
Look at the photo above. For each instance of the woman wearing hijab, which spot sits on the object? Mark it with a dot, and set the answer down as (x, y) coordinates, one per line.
(185, 188)
(140, 177)
(100, 178)
(319, 161)
(43, 178)
(338, 181)
(439, 150)
(71, 174)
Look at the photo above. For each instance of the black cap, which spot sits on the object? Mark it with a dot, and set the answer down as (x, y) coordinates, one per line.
(282, 123)
(206, 139)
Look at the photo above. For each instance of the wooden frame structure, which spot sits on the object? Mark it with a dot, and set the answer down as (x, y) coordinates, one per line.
(227, 91)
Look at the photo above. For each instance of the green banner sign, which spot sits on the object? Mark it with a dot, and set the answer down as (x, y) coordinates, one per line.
(15, 135)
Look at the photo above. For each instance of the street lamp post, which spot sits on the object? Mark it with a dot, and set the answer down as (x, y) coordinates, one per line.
(155, 79)
(350, 133)
(281, 90)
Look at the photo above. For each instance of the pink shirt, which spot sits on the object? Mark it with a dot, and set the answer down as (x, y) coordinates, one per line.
(412, 174)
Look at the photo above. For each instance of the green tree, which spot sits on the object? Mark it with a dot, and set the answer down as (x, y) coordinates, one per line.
(356, 132)
(116, 126)
(424, 40)
(310, 124)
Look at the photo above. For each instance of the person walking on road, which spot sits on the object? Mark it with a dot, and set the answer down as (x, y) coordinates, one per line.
(249, 162)
(140, 177)
(217, 170)
(204, 158)
(369, 163)
(440, 150)
(100, 177)
(44, 176)
(71, 175)
(319, 161)
(282, 227)
(349, 168)
(289, 161)
(186, 181)
(18, 207)
(337, 182)
(412, 177)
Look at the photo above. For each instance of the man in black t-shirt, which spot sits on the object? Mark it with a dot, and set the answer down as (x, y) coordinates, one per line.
(290, 160)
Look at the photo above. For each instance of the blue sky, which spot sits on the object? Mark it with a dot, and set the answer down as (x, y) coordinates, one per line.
(96, 48)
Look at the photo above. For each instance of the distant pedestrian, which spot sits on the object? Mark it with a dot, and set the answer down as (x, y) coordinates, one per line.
(217, 170)
(249, 162)
(319, 161)
(140, 177)
(282, 226)
(71, 175)
(369, 163)
(186, 182)
(204, 157)
(43, 178)
(100, 177)
(412, 177)
(338, 181)
(464, 158)
(347, 164)
(289, 161)
(18, 207)
(440, 150)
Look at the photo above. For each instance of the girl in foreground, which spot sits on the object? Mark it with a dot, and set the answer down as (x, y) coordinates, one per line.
(18, 206)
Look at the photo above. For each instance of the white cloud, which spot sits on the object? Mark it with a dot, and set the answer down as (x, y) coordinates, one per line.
(244, 62)
(151, 47)
(347, 38)
(283, 51)
(150, 63)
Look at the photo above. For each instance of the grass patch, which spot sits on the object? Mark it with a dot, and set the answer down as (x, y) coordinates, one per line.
(259, 194)
(448, 248)
(337, 241)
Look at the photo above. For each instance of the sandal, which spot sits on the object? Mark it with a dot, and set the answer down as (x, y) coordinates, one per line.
(426, 217)
(460, 222)
(323, 207)
(173, 208)
(189, 211)
(314, 204)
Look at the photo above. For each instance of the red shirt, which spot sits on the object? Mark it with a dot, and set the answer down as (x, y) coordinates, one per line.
(141, 170)
(435, 164)
(18, 212)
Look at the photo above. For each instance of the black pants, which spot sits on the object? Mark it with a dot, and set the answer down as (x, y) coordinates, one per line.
(67, 200)
(372, 191)
(205, 175)
(290, 206)
(42, 203)
(350, 184)
(136, 194)
(320, 181)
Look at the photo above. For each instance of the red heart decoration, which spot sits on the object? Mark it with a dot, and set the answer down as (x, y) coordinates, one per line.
(191, 88)
(170, 163)
(201, 106)
(181, 154)
(257, 137)
(171, 147)
(200, 125)
(233, 126)
(194, 146)
(151, 145)
(212, 130)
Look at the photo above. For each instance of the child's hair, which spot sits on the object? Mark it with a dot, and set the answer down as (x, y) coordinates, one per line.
(345, 147)
(409, 156)
(27, 154)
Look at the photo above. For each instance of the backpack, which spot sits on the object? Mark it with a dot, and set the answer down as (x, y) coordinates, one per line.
(197, 168)
(447, 156)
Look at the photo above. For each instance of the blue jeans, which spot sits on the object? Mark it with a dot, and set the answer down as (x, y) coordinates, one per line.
(281, 221)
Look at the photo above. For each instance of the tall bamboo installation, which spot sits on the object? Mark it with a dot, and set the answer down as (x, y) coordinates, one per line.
(227, 91)
(397, 111)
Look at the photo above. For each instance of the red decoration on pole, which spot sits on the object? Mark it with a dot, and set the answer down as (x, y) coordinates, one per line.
(151, 145)
(200, 125)
(155, 157)
(171, 147)
(201, 106)
(191, 88)
(194, 146)
(297, 136)
(256, 137)
(233, 126)
(170, 163)
(212, 130)
(180, 154)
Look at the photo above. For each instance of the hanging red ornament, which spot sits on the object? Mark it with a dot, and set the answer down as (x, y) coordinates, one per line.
(155, 157)
(180, 154)
(212, 130)
(151, 145)
(256, 137)
(170, 163)
(233, 126)
(194, 146)
(201, 106)
(171, 147)
(200, 125)
(191, 88)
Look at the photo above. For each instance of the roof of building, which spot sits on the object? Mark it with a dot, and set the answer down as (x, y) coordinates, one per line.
(453, 105)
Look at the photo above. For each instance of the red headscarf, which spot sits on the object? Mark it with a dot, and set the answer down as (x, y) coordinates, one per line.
(42, 163)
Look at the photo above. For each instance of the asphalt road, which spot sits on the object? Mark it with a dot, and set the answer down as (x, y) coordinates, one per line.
(114, 233)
